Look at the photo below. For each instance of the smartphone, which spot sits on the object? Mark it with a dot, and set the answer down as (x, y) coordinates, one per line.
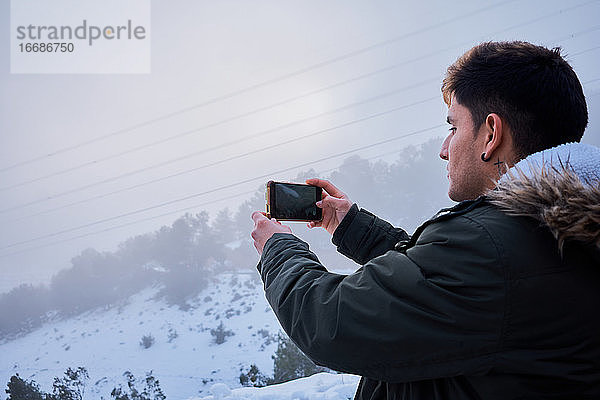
(293, 201)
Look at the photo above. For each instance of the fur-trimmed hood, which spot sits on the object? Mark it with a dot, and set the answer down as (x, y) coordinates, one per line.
(560, 187)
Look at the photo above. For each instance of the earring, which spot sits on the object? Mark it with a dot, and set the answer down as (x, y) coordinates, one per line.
(485, 159)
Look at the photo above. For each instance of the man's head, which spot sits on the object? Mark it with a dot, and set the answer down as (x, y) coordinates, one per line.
(513, 99)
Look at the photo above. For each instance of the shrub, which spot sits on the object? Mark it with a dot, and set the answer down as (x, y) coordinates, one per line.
(220, 333)
(253, 377)
(147, 341)
(151, 391)
(172, 335)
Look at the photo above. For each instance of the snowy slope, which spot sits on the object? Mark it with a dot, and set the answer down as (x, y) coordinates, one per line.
(184, 357)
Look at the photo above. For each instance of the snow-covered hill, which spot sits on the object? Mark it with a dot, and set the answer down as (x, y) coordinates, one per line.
(184, 356)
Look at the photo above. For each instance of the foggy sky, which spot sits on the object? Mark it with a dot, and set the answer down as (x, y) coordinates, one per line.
(205, 49)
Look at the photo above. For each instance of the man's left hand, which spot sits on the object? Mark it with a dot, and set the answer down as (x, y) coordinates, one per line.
(264, 228)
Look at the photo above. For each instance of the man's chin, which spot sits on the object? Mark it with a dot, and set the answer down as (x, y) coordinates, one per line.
(452, 197)
(458, 196)
(451, 192)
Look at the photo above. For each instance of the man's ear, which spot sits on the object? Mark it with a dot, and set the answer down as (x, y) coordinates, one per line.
(495, 133)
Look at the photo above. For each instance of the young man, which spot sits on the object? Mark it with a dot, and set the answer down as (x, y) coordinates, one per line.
(494, 298)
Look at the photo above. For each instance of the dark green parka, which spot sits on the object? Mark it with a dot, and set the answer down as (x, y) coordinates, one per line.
(482, 302)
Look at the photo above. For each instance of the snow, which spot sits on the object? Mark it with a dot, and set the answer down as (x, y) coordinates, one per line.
(323, 386)
(184, 357)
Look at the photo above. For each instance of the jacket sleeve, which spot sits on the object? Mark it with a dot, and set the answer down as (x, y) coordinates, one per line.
(436, 311)
(362, 236)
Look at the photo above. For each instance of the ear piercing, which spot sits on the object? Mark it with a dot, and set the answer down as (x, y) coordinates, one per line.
(485, 159)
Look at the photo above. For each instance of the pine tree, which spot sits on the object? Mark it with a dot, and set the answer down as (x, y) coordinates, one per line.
(290, 363)
(71, 387)
(20, 389)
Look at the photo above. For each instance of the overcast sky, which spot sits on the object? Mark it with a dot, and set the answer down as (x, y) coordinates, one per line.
(282, 70)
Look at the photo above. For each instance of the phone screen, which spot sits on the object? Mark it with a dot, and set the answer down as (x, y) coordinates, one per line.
(295, 202)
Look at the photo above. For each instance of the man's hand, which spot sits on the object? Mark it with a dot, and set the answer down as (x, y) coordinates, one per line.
(335, 205)
(264, 228)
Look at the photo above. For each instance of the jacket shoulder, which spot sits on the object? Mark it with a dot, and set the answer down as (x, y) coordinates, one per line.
(454, 220)
(521, 243)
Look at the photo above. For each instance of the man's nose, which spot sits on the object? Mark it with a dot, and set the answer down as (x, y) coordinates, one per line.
(444, 149)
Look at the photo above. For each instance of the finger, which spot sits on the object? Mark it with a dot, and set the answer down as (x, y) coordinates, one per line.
(315, 224)
(327, 186)
(257, 216)
(338, 204)
(320, 202)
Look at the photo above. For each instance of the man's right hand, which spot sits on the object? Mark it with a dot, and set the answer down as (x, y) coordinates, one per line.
(335, 205)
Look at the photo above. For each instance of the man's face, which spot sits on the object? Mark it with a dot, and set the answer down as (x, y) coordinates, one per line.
(462, 149)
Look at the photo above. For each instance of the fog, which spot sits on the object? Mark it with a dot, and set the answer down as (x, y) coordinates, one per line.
(240, 93)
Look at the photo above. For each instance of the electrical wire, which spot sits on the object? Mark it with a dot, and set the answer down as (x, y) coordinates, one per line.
(222, 145)
(188, 197)
(178, 136)
(205, 193)
(285, 101)
(256, 135)
(213, 190)
(180, 210)
(250, 88)
(584, 51)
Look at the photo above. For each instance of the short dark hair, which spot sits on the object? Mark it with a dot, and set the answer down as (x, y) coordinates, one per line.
(532, 88)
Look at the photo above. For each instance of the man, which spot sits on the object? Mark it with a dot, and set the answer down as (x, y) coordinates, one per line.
(494, 298)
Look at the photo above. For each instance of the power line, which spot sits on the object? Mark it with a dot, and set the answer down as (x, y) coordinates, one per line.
(227, 144)
(264, 83)
(383, 95)
(420, 131)
(153, 166)
(226, 186)
(584, 51)
(189, 132)
(211, 164)
(282, 102)
(579, 33)
(319, 173)
(204, 193)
